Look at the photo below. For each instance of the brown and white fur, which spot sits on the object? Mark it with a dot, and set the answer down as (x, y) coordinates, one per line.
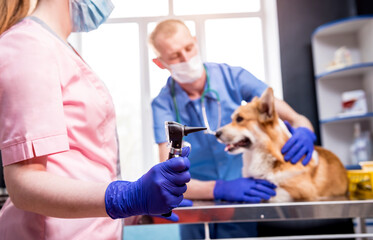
(257, 131)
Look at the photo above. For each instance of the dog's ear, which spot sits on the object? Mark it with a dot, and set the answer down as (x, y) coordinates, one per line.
(266, 106)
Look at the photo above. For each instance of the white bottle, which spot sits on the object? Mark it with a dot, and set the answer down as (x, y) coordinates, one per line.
(360, 148)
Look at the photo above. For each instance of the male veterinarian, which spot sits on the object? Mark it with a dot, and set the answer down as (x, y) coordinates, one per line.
(195, 86)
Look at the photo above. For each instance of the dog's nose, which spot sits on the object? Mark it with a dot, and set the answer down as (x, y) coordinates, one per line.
(218, 134)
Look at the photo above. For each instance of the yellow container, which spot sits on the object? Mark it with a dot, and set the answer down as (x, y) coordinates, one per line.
(368, 165)
(360, 183)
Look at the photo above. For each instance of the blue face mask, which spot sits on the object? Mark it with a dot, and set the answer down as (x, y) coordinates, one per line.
(87, 15)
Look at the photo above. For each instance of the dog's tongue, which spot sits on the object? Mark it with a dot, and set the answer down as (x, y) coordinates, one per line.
(227, 147)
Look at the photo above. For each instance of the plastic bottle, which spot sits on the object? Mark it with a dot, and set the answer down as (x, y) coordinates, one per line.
(360, 148)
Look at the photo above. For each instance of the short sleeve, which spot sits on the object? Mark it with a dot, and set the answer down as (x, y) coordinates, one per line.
(161, 112)
(249, 85)
(32, 119)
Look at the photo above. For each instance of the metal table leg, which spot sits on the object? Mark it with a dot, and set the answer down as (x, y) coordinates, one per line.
(207, 231)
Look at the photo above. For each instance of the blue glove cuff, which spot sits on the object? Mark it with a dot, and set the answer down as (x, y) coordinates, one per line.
(121, 200)
(113, 208)
(218, 195)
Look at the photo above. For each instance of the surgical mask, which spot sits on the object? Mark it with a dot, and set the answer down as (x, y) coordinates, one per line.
(187, 72)
(87, 15)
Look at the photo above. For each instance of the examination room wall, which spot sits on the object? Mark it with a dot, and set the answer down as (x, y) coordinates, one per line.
(297, 19)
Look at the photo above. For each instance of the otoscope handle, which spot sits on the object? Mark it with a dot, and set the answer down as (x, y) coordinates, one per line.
(170, 155)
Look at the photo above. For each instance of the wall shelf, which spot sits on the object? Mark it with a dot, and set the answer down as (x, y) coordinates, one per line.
(342, 26)
(355, 69)
(346, 118)
(356, 34)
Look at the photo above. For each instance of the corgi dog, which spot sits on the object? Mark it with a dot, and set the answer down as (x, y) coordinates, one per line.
(258, 133)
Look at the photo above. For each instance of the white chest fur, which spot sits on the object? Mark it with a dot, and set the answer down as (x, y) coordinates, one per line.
(258, 164)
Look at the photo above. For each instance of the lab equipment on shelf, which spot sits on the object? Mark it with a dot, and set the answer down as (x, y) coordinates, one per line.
(360, 149)
(342, 59)
(353, 103)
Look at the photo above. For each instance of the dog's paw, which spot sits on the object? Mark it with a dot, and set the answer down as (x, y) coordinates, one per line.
(281, 196)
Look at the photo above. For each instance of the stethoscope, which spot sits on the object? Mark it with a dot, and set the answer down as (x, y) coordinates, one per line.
(204, 115)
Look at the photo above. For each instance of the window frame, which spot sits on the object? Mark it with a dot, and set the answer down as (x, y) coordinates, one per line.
(272, 65)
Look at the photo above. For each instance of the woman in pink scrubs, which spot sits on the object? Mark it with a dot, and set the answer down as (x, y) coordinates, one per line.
(57, 132)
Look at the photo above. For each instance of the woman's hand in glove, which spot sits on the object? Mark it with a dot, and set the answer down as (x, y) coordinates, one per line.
(156, 192)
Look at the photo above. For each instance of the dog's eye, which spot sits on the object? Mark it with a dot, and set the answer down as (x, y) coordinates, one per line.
(239, 119)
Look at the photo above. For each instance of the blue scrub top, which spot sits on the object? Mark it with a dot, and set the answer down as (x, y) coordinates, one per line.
(208, 159)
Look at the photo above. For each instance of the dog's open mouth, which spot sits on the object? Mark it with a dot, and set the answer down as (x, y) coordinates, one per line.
(245, 143)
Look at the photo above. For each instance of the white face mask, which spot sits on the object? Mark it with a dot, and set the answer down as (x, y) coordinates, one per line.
(187, 72)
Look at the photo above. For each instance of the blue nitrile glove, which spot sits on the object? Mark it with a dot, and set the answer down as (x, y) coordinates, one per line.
(174, 217)
(157, 192)
(300, 144)
(244, 190)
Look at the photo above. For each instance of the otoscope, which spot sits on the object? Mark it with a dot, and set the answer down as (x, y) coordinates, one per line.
(175, 133)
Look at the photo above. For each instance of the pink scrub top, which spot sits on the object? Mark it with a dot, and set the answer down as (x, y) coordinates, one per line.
(52, 103)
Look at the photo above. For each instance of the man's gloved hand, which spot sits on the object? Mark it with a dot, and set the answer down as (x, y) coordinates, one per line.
(156, 192)
(299, 145)
(244, 190)
(174, 217)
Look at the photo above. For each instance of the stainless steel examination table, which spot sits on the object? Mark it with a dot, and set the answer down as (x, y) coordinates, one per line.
(209, 212)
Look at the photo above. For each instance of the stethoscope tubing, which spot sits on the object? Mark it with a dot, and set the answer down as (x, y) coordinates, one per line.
(204, 114)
